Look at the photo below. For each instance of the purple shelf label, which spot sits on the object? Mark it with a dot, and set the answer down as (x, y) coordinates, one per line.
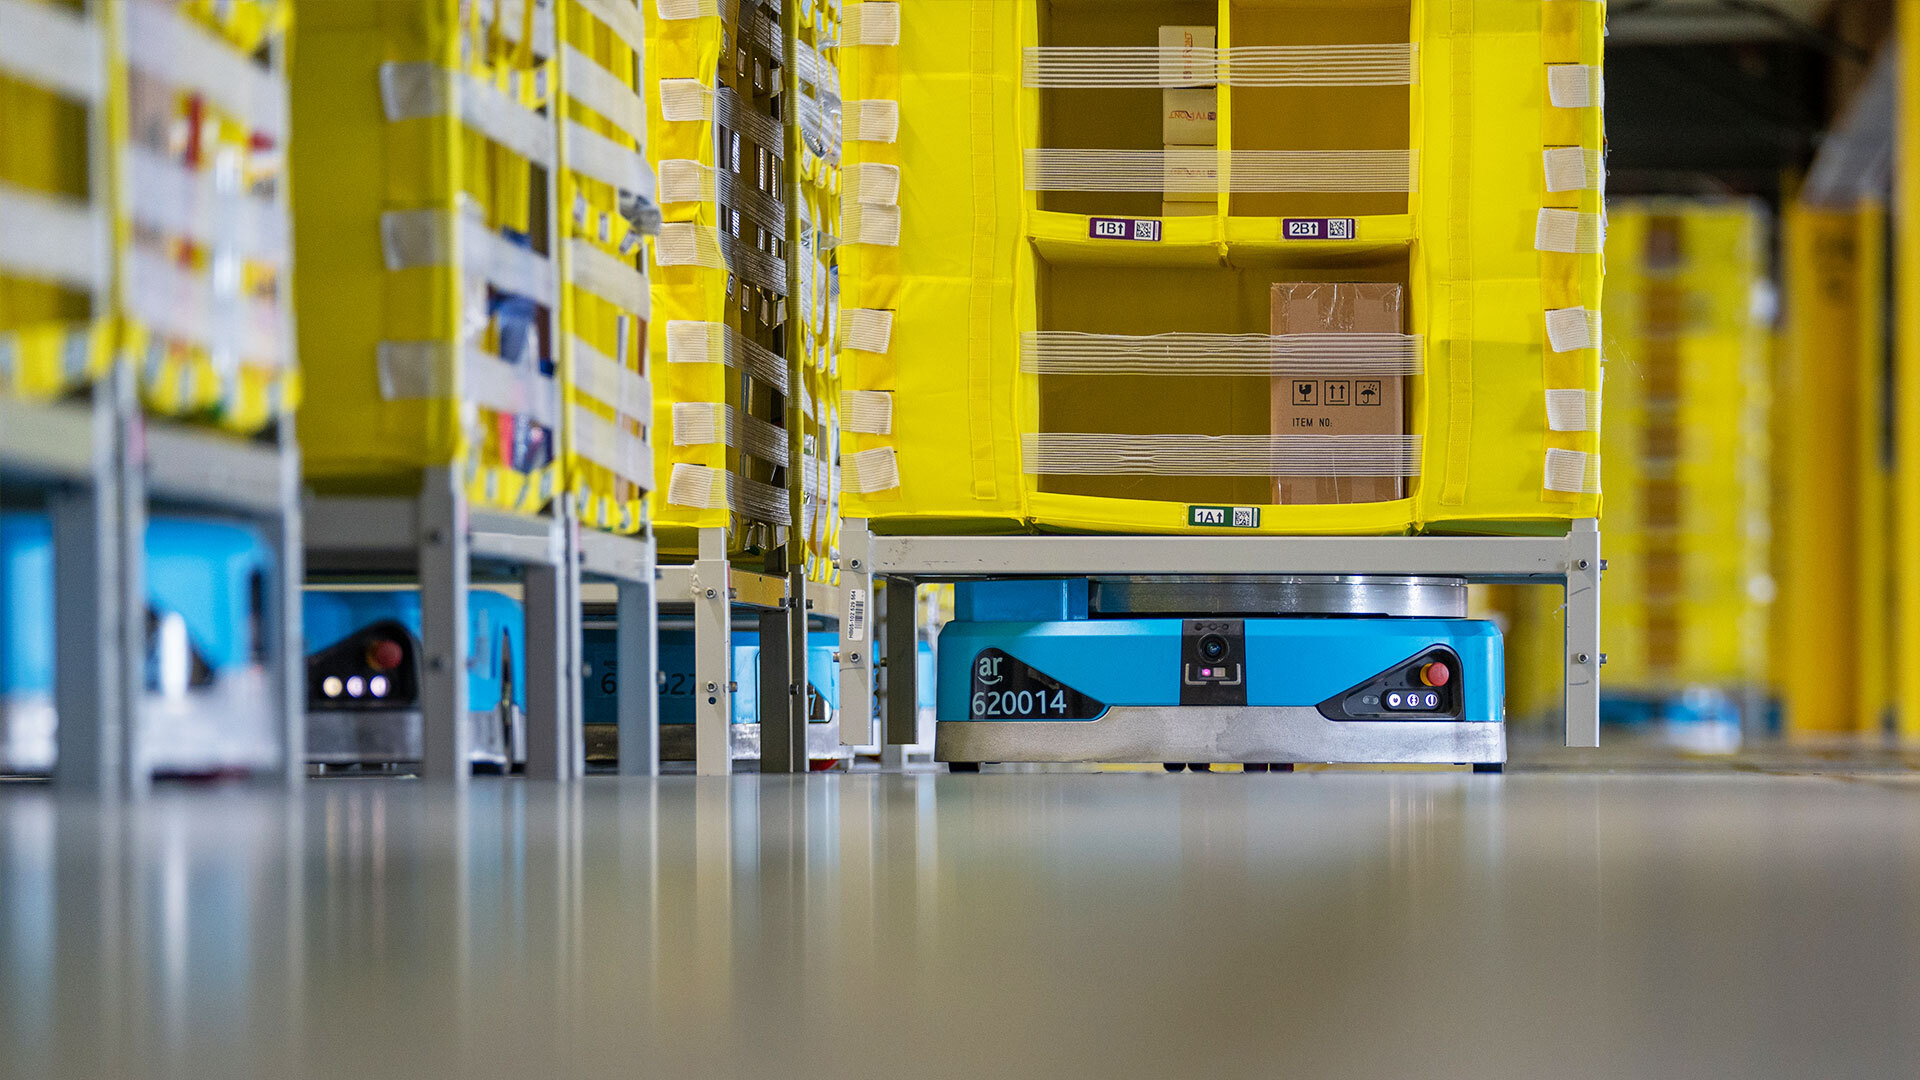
(1114, 228)
(1310, 228)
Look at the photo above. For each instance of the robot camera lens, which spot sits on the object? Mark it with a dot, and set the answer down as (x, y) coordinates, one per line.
(1213, 647)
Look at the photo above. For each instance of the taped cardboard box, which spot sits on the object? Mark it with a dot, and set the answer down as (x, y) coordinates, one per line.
(1188, 118)
(1187, 56)
(1334, 403)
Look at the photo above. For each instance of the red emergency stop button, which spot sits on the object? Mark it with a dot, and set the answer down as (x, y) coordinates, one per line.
(1435, 674)
(385, 654)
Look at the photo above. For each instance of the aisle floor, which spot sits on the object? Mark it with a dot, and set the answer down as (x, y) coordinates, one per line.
(1582, 921)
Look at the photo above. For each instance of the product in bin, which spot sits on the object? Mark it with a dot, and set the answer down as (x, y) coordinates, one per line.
(1336, 403)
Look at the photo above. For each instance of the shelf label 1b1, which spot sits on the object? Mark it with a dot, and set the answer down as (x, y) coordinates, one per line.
(1340, 228)
(1113, 228)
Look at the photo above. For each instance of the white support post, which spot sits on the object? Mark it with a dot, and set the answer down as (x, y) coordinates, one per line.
(713, 656)
(856, 637)
(445, 571)
(1583, 655)
(637, 642)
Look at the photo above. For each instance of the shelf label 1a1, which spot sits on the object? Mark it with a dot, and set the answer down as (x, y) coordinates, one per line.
(1309, 228)
(1223, 517)
(1114, 228)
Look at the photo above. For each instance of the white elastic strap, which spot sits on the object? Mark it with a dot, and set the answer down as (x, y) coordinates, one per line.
(1197, 170)
(1570, 232)
(872, 470)
(1573, 329)
(1065, 352)
(1575, 168)
(54, 238)
(683, 243)
(732, 111)
(870, 223)
(1573, 410)
(513, 13)
(171, 48)
(706, 488)
(619, 388)
(592, 154)
(686, 180)
(867, 329)
(871, 182)
(607, 445)
(53, 47)
(418, 90)
(709, 423)
(1575, 86)
(870, 120)
(608, 278)
(875, 22)
(1089, 67)
(867, 412)
(182, 305)
(624, 18)
(690, 342)
(1102, 454)
(603, 92)
(1573, 470)
(423, 370)
(417, 238)
(686, 101)
(676, 10)
(168, 197)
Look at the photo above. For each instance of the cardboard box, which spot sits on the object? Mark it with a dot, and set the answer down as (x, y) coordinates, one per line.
(1336, 403)
(1187, 118)
(1185, 168)
(1187, 56)
(1188, 209)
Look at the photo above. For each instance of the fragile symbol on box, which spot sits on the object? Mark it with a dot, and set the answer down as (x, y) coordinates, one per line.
(1318, 228)
(1306, 392)
(1107, 228)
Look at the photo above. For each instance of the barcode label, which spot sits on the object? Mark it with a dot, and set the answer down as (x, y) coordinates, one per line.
(856, 615)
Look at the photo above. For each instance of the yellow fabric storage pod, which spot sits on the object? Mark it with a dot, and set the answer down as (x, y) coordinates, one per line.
(205, 266)
(55, 264)
(1689, 446)
(605, 183)
(719, 272)
(1106, 366)
(426, 243)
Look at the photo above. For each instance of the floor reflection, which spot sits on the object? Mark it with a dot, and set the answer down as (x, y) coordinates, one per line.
(1344, 924)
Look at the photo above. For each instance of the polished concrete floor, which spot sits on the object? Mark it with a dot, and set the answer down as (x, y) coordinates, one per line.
(1593, 919)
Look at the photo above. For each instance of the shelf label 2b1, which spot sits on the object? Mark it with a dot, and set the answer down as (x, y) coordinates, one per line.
(1004, 688)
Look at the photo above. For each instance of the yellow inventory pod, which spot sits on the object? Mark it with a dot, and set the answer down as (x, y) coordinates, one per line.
(1688, 444)
(426, 244)
(720, 295)
(1057, 352)
(55, 266)
(604, 183)
(200, 139)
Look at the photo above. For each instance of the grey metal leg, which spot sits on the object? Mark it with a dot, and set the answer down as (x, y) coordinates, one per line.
(903, 649)
(137, 775)
(444, 574)
(549, 750)
(573, 645)
(856, 646)
(712, 656)
(777, 741)
(286, 665)
(1583, 634)
(637, 640)
(89, 672)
